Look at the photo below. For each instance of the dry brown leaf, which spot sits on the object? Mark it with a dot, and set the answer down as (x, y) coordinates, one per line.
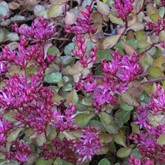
(130, 50)
(127, 98)
(28, 4)
(14, 5)
(58, 1)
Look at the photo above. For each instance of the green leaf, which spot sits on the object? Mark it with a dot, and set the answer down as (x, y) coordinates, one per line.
(141, 35)
(127, 98)
(61, 162)
(105, 137)
(2, 35)
(14, 135)
(68, 49)
(105, 118)
(124, 152)
(120, 138)
(104, 161)
(72, 97)
(155, 17)
(17, 18)
(103, 150)
(95, 123)
(39, 10)
(122, 117)
(135, 128)
(112, 128)
(42, 161)
(55, 77)
(112, 147)
(126, 107)
(83, 119)
(51, 133)
(67, 87)
(103, 8)
(155, 72)
(53, 50)
(146, 61)
(66, 60)
(115, 20)
(4, 9)
(111, 41)
(40, 139)
(161, 139)
(161, 11)
(87, 101)
(143, 44)
(104, 55)
(31, 69)
(135, 153)
(89, 46)
(55, 10)
(12, 37)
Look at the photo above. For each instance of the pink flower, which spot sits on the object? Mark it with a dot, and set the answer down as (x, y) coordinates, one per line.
(62, 120)
(118, 73)
(88, 144)
(82, 54)
(146, 141)
(40, 30)
(163, 3)
(156, 27)
(124, 8)
(3, 67)
(83, 24)
(157, 101)
(60, 148)
(21, 153)
(32, 102)
(5, 126)
(26, 54)
(133, 160)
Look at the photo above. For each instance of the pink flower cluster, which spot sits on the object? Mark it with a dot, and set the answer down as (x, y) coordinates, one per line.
(3, 67)
(5, 126)
(146, 141)
(88, 144)
(83, 23)
(163, 3)
(118, 73)
(156, 27)
(81, 52)
(19, 151)
(80, 149)
(32, 101)
(41, 30)
(124, 8)
(134, 161)
(61, 148)
(157, 101)
(64, 121)
(25, 54)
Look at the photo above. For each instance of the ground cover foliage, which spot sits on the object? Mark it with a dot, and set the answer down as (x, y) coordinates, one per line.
(82, 82)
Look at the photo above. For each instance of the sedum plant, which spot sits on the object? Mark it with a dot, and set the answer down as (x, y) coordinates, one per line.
(82, 82)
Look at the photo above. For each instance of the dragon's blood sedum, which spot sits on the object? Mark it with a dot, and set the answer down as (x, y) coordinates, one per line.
(82, 82)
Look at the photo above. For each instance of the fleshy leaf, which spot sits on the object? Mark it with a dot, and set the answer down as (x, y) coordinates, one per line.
(124, 152)
(55, 77)
(120, 138)
(83, 119)
(109, 42)
(161, 139)
(104, 161)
